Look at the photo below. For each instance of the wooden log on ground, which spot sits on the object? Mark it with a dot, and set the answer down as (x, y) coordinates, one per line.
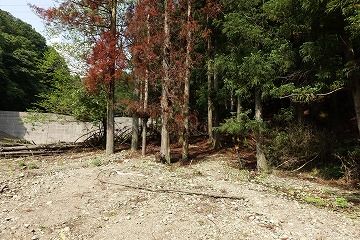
(37, 147)
(29, 153)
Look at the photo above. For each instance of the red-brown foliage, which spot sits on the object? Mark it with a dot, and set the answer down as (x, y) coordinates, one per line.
(91, 18)
(104, 57)
(145, 32)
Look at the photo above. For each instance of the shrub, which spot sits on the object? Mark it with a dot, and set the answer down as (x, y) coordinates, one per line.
(32, 166)
(349, 157)
(298, 145)
(96, 162)
(22, 163)
(240, 127)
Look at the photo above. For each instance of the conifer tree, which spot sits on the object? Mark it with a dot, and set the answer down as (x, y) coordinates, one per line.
(96, 22)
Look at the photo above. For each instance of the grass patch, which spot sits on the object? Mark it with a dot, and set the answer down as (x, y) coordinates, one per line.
(262, 177)
(341, 202)
(32, 166)
(42, 227)
(96, 162)
(315, 200)
(21, 163)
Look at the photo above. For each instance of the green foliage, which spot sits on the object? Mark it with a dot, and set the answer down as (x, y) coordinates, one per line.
(350, 10)
(285, 115)
(21, 163)
(77, 103)
(21, 51)
(256, 54)
(349, 156)
(32, 166)
(237, 126)
(97, 162)
(298, 144)
(316, 200)
(240, 126)
(341, 202)
(332, 171)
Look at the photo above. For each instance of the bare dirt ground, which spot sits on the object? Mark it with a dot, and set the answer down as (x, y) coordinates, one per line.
(88, 195)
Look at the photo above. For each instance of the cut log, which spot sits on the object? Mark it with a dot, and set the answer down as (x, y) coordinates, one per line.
(37, 147)
(29, 153)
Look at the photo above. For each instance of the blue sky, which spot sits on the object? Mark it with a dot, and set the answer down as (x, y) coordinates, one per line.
(20, 9)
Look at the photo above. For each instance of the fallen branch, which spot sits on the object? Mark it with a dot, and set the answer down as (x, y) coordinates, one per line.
(295, 170)
(175, 191)
(312, 95)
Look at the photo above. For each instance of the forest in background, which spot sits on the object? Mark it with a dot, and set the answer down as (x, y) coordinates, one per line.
(277, 77)
(22, 57)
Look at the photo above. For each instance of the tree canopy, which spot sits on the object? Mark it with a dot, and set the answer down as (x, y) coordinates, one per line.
(21, 52)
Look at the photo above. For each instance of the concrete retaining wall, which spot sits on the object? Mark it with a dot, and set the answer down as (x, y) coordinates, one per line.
(51, 128)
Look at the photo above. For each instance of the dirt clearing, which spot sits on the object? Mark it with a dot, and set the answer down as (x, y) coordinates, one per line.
(92, 196)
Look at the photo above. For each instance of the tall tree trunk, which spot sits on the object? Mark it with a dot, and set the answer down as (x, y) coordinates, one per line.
(165, 111)
(110, 126)
(210, 102)
(146, 96)
(135, 134)
(299, 112)
(232, 101)
(186, 133)
(135, 120)
(238, 107)
(260, 155)
(354, 76)
(210, 91)
(216, 135)
(356, 98)
(145, 119)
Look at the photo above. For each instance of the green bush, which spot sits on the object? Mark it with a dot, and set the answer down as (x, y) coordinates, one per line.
(298, 144)
(349, 157)
(239, 127)
(96, 162)
(32, 166)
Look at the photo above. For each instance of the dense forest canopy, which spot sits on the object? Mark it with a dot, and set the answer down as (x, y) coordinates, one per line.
(280, 77)
(21, 53)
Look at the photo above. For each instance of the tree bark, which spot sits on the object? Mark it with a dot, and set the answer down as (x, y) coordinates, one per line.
(260, 155)
(135, 134)
(186, 132)
(238, 107)
(110, 126)
(146, 96)
(299, 112)
(356, 98)
(165, 110)
(135, 119)
(210, 91)
(216, 123)
(144, 119)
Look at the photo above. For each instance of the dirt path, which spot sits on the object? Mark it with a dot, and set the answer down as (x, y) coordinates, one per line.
(91, 196)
